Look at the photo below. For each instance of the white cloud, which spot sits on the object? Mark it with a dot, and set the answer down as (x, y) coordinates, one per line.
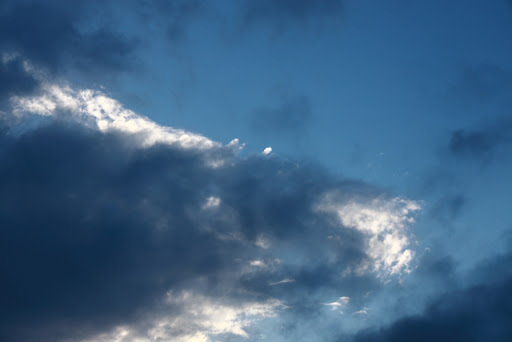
(284, 281)
(94, 108)
(212, 202)
(8, 57)
(341, 303)
(263, 242)
(363, 312)
(200, 319)
(267, 150)
(385, 225)
(258, 263)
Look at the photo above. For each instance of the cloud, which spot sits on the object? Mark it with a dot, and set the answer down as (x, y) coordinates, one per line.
(341, 303)
(480, 312)
(52, 35)
(384, 224)
(201, 318)
(284, 281)
(14, 78)
(283, 13)
(482, 144)
(106, 114)
(103, 213)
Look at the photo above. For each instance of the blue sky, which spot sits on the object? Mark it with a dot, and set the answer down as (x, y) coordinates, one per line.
(257, 170)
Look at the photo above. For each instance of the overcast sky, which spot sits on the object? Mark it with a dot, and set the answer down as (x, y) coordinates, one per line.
(255, 170)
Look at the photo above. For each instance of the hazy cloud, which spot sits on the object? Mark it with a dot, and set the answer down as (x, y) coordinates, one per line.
(448, 207)
(14, 80)
(479, 312)
(482, 144)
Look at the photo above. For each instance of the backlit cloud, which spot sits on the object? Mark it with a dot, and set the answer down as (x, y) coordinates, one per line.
(385, 225)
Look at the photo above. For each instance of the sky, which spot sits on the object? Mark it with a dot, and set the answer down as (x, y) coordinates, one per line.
(255, 170)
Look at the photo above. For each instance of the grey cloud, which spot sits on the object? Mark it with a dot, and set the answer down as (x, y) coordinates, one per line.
(14, 80)
(49, 34)
(482, 144)
(479, 312)
(94, 231)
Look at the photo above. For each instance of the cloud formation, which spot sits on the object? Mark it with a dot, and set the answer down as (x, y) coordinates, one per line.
(106, 114)
(116, 227)
(14, 78)
(476, 313)
(482, 144)
(59, 35)
(384, 222)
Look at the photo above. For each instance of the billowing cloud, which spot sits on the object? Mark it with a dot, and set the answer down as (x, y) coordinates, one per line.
(116, 227)
(106, 114)
(478, 312)
(58, 35)
(14, 78)
(384, 223)
(200, 319)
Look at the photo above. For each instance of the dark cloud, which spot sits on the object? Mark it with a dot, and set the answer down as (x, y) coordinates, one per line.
(475, 143)
(282, 13)
(14, 80)
(95, 231)
(482, 144)
(70, 250)
(289, 119)
(481, 312)
(52, 34)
